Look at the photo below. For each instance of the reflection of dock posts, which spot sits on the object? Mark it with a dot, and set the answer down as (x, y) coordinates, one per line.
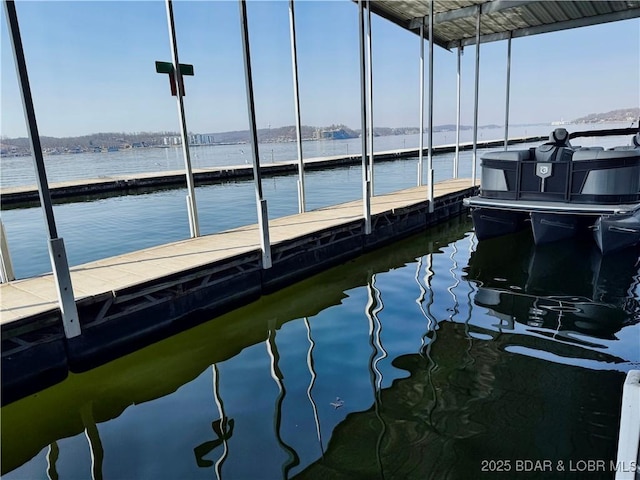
(6, 266)
(452, 270)
(312, 382)
(52, 459)
(278, 377)
(475, 99)
(57, 253)
(366, 181)
(93, 437)
(223, 421)
(223, 429)
(456, 161)
(472, 290)
(296, 95)
(177, 77)
(431, 327)
(374, 307)
(430, 143)
(261, 203)
(426, 311)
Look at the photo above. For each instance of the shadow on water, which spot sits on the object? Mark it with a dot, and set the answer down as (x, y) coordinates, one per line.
(469, 404)
(466, 354)
(33, 423)
(472, 408)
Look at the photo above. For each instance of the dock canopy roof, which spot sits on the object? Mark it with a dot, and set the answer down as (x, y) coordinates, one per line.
(455, 20)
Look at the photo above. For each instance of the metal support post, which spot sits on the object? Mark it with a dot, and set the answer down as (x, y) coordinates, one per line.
(296, 95)
(192, 209)
(430, 142)
(6, 266)
(475, 100)
(59, 264)
(366, 182)
(506, 112)
(456, 162)
(261, 203)
(370, 75)
(421, 139)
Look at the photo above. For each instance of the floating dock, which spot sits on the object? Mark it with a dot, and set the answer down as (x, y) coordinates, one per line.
(131, 300)
(27, 196)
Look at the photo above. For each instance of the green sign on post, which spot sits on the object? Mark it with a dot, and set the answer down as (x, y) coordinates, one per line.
(167, 67)
(164, 67)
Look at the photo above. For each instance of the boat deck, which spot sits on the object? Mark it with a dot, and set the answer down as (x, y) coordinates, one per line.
(551, 207)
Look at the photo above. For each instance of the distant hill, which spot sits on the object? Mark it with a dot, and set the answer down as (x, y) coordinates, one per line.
(621, 115)
(119, 140)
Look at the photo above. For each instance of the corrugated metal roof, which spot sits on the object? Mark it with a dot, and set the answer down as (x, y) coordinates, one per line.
(455, 20)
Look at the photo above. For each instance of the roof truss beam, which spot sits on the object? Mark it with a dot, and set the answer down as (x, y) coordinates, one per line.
(552, 27)
(470, 11)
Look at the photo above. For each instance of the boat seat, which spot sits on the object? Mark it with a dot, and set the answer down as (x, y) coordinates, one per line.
(589, 149)
(624, 153)
(635, 144)
(557, 149)
(513, 155)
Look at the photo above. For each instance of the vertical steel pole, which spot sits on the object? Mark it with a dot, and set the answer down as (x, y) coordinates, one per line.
(294, 63)
(366, 182)
(192, 209)
(6, 266)
(421, 140)
(57, 253)
(506, 112)
(430, 142)
(456, 161)
(475, 101)
(261, 203)
(370, 72)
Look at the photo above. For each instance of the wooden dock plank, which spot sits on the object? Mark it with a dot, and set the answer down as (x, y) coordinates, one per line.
(23, 298)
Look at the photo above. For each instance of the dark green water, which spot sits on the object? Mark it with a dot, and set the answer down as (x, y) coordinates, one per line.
(435, 357)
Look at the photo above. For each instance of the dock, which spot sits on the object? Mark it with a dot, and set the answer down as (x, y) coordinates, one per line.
(131, 300)
(73, 190)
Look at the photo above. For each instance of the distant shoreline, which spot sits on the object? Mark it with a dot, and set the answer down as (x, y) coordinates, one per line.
(110, 142)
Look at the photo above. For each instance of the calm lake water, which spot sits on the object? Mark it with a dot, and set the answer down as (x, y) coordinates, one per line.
(435, 357)
(101, 228)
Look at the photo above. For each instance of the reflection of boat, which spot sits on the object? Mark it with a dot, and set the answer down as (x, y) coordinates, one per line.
(563, 191)
(568, 288)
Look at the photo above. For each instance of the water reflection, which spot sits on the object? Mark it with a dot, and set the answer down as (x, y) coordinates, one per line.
(312, 381)
(567, 291)
(442, 352)
(222, 428)
(378, 353)
(292, 456)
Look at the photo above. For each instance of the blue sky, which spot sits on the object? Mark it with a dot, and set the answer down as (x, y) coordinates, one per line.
(91, 67)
